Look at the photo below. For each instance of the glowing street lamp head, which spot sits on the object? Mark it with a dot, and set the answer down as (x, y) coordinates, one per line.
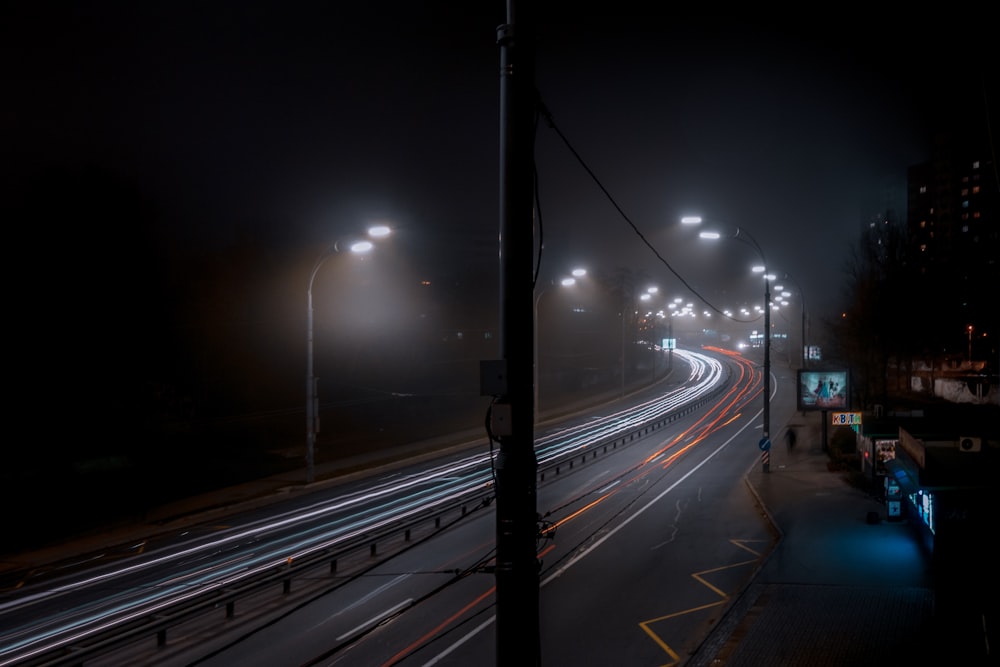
(361, 247)
(379, 231)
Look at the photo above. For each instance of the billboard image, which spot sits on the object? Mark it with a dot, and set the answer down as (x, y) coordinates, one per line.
(823, 390)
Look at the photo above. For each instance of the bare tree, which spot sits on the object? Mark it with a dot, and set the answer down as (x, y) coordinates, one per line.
(877, 325)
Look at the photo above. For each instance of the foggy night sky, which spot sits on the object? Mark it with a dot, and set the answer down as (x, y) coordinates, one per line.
(290, 125)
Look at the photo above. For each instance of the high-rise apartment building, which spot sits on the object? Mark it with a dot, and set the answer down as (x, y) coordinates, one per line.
(953, 234)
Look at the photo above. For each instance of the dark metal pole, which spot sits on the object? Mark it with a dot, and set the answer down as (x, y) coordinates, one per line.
(623, 351)
(766, 456)
(804, 356)
(746, 237)
(312, 400)
(517, 565)
(310, 389)
(805, 347)
(670, 342)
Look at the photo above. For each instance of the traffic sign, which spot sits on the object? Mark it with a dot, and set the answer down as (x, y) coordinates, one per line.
(764, 444)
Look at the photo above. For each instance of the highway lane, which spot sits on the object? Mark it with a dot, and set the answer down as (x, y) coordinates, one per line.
(144, 583)
(649, 544)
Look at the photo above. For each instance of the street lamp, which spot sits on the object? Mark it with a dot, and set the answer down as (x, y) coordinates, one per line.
(623, 351)
(650, 322)
(802, 295)
(312, 400)
(672, 307)
(565, 282)
(744, 236)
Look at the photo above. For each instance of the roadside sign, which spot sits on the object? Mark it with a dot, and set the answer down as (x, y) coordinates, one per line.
(764, 444)
(847, 419)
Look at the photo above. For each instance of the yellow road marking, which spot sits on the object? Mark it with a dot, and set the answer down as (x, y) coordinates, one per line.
(699, 577)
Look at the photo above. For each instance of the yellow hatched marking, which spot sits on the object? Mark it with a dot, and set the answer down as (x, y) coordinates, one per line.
(699, 577)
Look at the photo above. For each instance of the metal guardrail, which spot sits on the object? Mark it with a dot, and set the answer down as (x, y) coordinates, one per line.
(149, 637)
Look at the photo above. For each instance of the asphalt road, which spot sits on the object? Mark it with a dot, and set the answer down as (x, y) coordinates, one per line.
(648, 552)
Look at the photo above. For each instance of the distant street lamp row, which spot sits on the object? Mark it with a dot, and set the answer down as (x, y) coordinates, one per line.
(364, 245)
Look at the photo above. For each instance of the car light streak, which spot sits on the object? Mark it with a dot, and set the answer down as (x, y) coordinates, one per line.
(723, 416)
(362, 600)
(376, 619)
(581, 511)
(549, 529)
(610, 486)
(152, 581)
(430, 635)
(716, 417)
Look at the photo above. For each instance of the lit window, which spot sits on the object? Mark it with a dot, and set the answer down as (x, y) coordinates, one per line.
(975, 189)
(975, 164)
(923, 189)
(965, 192)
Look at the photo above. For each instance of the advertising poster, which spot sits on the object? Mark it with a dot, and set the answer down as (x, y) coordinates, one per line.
(823, 390)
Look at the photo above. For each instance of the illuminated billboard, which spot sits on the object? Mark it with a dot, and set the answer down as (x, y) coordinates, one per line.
(823, 390)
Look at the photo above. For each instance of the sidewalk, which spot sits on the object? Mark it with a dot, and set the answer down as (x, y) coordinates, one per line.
(837, 590)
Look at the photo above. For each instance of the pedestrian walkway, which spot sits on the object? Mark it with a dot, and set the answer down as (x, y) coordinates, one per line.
(840, 588)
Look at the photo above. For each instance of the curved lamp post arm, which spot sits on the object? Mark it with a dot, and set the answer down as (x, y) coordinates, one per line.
(744, 236)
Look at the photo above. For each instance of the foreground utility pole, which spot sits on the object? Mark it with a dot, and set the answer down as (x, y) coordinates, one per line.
(517, 566)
